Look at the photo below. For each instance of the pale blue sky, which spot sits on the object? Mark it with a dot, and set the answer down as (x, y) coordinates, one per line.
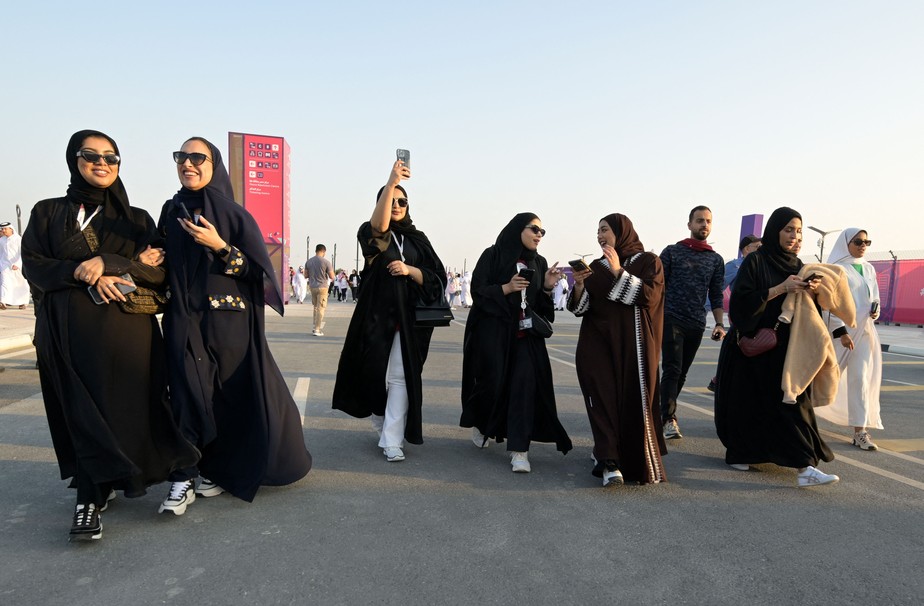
(570, 110)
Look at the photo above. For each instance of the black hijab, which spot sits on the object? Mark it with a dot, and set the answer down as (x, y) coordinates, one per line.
(114, 198)
(508, 249)
(770, 249)
(627, 241)
(232, 221)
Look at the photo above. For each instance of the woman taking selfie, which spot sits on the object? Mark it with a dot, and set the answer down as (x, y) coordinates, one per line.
(859, 351)
(227, 393)
(101, 368)
(751, 419)
(620, 299)
(384, 353)
(507, 390)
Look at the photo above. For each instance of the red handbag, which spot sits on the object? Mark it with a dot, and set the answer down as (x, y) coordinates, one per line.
(763, 341)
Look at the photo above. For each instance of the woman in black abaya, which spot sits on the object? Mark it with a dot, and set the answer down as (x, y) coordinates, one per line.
(751, 419)
(507, 387)
(227, 393)
(384, 353)
(102, 369)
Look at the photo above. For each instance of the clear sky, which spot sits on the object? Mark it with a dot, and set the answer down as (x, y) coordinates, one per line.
(569, 110)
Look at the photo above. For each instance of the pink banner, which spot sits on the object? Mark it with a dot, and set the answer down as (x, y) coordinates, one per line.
(901, 289)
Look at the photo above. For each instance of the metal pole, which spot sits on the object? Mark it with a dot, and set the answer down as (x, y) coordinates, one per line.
(18, 220)
(307, 248)
(335, 257)
(357, 256)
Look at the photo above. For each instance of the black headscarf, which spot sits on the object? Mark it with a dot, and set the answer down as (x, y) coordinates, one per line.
(231, 220)
(405, 226)
(509, 249)
(770, 248)
(627, 242)
(113, 198)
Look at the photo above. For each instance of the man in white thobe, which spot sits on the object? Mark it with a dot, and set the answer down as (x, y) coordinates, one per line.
(14, 290)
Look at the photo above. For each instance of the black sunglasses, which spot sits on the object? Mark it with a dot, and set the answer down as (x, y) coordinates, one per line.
(93, 157)
(402, 202)
(536, 230)
(194, 158)
(859, 242)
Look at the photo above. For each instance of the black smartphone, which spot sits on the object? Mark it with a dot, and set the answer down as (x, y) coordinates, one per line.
(813, 277)
(405, 156)
(579, 265)
(123, 288)
(527, 273)
(874, 308)
(185, 212)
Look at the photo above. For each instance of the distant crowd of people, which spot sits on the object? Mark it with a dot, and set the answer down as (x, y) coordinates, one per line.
(200, 402)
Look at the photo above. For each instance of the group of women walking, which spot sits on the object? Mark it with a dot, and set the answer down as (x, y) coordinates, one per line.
(100, 268)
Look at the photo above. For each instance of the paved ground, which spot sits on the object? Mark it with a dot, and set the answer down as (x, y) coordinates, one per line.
(453, 525)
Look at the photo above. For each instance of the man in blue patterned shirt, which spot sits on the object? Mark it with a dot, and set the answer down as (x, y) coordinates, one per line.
(692, 272)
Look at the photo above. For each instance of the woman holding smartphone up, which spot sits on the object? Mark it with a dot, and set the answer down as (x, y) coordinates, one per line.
(228, 395)
(859, 351)
(507, 390)
(620, 299)
(384, 353)
(102, 369)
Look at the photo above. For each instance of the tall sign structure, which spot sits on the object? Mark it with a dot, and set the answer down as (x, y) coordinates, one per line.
(259, 170)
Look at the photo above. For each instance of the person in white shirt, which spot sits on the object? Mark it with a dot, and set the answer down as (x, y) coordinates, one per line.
(14, 290)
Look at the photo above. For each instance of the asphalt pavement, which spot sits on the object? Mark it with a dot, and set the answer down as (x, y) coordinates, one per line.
(453, 525)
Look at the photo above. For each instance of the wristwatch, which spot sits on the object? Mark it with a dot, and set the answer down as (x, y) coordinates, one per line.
(223, 252)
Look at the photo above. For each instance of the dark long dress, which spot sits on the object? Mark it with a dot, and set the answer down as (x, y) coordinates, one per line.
(102, 370)
(228, 394)
(388, 305)
(751, 419)
(617, 364)
(490, 343)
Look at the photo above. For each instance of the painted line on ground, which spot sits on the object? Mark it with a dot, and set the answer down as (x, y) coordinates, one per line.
(876, 470)
(300, 395)
(19, 352)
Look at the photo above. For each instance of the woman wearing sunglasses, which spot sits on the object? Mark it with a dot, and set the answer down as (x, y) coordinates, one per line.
(380, 368)
(102, 370)
(227, 393)
(507, 388)
(859, 351)
(620, 300)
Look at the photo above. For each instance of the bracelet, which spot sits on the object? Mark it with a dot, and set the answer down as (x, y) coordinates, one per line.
(224, 251)
(722, 326)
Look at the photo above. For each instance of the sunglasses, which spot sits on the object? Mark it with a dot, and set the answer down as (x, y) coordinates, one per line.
(194, 158)
(859, 242)
(93, 157)
(535, 229)
(402, 202)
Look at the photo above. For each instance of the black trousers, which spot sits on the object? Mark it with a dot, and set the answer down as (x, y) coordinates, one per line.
(678, 348)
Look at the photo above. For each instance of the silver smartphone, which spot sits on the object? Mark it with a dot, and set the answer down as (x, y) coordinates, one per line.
(405, 156)
(123, 288)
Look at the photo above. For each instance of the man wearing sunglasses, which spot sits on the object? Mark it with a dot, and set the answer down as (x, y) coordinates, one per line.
(320, 273)
(693, 272)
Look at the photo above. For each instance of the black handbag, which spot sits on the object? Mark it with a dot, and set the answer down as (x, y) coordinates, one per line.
(540, 326)
(434, 315)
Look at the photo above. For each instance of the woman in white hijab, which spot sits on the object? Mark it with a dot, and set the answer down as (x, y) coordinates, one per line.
(859, 352)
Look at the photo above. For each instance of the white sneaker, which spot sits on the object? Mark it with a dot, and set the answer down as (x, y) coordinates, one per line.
(478, 438)
(612, 478)
(861, 440)
(519, 462)
(181, 495)
(317, 333)
(393, 454)
(208, 488)
(740, 466)
(814, 477)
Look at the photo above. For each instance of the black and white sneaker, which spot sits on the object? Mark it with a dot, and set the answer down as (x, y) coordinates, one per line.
(208, 488)
(181, 495)
(87, 523)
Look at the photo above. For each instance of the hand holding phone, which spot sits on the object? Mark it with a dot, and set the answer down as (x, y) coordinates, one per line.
(579, 265)
(813, 277)
(122, 288)
(527, 274)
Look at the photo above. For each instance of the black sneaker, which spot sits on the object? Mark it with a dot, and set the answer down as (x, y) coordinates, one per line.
(87, 523)
(181, 495)
(712, 385)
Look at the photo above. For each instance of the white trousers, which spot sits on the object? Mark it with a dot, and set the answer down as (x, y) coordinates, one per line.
(391, 426)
